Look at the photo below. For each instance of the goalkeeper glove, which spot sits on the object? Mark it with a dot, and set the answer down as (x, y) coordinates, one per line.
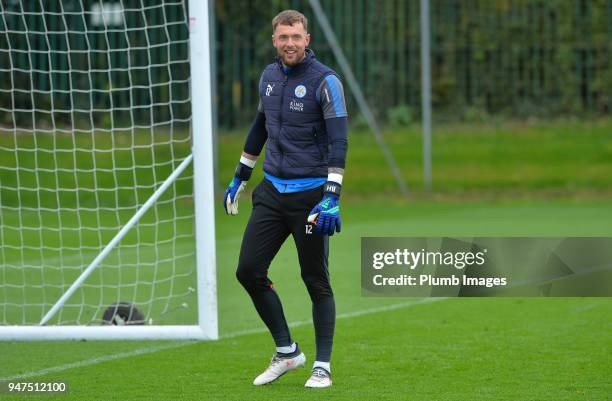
(326, 214)
(236, 186)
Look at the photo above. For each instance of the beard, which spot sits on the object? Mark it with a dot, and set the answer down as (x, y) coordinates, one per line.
(296, 58)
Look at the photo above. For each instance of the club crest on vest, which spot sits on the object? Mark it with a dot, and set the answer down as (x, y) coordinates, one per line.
(300, 91)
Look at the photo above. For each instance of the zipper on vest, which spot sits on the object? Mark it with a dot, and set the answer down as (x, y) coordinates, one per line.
(283, 98)
(282, 101)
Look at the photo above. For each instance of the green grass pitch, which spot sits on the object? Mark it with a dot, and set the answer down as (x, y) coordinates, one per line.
(385, 348)
(544, 179)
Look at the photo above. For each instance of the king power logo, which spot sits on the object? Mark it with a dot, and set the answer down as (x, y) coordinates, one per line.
(296, 106)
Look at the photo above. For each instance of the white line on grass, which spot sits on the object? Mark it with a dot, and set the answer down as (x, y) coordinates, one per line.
(150, 350)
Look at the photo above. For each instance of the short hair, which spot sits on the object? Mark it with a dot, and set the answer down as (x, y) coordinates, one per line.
(289, 17)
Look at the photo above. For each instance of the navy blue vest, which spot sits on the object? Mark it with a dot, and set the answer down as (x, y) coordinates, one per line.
(297, 139)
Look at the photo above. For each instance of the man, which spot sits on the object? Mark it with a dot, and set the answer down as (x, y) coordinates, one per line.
(302, 117)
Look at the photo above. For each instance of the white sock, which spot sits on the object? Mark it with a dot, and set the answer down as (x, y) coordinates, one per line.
(324, 365)
(287, 350)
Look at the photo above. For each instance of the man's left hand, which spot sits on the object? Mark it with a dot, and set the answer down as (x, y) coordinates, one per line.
(326, 215)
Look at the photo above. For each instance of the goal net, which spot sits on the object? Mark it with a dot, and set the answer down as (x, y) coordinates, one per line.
(97, 205)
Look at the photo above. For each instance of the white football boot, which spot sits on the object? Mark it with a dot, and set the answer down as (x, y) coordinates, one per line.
(320, 378)
(278, 367)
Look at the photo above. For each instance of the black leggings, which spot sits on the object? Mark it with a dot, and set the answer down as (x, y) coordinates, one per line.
(276, 215)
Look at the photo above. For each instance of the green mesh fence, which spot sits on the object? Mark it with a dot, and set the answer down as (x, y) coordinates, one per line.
(513, 58)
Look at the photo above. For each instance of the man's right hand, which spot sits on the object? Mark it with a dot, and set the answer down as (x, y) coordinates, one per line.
(243, 174)
(231, 195)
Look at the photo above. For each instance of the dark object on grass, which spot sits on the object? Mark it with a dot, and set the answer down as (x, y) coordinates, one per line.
(123, 313)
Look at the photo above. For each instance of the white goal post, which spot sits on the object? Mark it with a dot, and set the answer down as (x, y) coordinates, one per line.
(106, 198)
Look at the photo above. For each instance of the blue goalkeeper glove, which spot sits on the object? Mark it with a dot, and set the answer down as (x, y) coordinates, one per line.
(326, 214)
(235, 188)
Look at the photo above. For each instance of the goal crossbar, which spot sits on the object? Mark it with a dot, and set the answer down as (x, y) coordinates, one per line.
(110, 332)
